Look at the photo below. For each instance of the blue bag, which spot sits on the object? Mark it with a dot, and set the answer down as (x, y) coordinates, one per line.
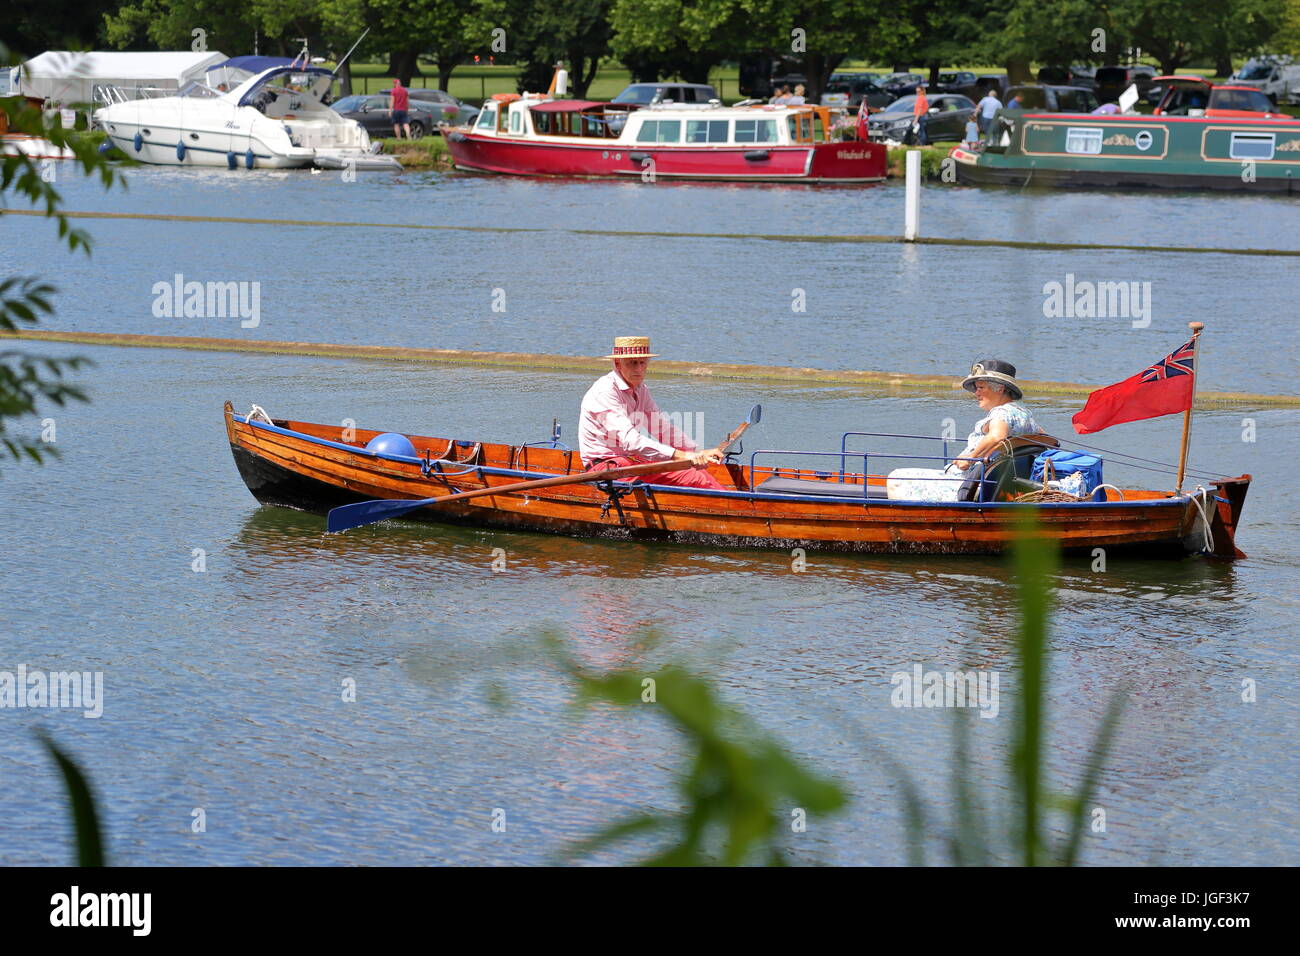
(1067, 462)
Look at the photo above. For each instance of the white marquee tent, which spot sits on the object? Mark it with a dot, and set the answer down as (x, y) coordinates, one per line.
(70, 77)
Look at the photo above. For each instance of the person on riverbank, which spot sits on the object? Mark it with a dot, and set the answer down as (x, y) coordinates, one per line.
(797, 99)
(621, 424)
(993, 383)
(987, 108)
(782, 97)
(401, 103)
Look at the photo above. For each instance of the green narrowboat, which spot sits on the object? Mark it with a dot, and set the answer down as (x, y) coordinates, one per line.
(1201, 136)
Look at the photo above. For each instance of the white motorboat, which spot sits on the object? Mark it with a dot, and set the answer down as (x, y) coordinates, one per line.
(277, 119)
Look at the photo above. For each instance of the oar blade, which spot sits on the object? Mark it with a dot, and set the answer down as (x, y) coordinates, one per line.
(345, 517)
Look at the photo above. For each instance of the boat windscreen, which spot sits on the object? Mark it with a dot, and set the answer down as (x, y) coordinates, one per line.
(195, 89)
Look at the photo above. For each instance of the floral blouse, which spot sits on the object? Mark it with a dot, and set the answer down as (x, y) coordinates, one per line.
(1019, 422)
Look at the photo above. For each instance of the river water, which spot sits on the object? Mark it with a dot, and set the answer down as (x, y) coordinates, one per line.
(223, 688)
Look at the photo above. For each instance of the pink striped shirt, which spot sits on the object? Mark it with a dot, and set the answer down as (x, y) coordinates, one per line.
(616, 419)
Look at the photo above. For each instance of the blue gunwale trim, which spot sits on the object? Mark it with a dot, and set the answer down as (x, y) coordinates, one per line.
(1178, 500)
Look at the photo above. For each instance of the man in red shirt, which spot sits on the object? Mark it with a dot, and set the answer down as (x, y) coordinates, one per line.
(401, 103)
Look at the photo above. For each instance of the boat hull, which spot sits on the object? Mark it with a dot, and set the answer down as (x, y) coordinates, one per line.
(307, 466)
(846, 162)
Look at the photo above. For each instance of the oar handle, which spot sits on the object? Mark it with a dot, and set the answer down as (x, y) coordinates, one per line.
(733, 438)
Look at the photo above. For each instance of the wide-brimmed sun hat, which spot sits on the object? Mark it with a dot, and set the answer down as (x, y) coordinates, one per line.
(993, 370)
(632, 346)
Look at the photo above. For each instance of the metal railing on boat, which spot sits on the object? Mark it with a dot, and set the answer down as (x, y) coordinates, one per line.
(844, 441)
(842, 454)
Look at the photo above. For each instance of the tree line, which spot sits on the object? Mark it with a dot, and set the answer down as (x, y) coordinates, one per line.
(658, 39)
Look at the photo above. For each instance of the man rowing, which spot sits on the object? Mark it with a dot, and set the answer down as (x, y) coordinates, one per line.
(621, 424)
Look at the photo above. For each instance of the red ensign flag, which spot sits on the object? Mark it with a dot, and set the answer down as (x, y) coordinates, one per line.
(1163, 389)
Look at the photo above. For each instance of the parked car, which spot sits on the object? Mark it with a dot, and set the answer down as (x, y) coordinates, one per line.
(454, 112)
(946, 119)
(1114, 80)
(900, 84)
(1084, 76)
(849, 94)
(644, 94)
(841, 76)
(960, 83)
(1275, 77)
(1051, 99)
(988, 81)
(1198, 98)
(374, 111)
(788, 79)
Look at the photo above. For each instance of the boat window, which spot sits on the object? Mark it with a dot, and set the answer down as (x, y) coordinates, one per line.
(1252, 146)
(1250, 100)
(756, 131)
(1083, 140)
(516, 121)
(488, 118)
(660, 131)
(196, 90)
(706, 131)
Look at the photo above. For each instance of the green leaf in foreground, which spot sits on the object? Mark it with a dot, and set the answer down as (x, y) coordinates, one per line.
(739, 788)
(85, 820)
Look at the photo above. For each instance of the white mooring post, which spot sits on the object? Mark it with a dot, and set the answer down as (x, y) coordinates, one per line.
(912, 223)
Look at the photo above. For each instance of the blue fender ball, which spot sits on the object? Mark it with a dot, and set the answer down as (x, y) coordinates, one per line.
(248, 159)
(180, 151)
(232, 161)
(138, 142)
(391, 443)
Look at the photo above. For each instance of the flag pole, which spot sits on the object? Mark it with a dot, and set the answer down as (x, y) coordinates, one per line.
(1196, 328)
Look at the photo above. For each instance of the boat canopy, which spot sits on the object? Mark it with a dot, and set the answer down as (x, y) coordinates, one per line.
(240, 68)
(565, 106)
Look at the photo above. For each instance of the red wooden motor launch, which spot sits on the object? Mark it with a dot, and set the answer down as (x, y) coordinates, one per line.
(534, 135)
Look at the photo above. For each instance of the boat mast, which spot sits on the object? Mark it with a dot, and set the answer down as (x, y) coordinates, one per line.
(1196, 328)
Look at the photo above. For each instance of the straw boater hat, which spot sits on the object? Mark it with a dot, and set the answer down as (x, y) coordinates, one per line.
(632, 346)
(993, 370)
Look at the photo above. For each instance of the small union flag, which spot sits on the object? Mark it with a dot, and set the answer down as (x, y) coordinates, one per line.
(1180, 362)
(1164, 388)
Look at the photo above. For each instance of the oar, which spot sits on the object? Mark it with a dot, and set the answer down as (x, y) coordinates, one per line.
(367, 512)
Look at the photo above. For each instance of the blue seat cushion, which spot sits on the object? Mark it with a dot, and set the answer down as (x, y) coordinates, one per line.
(809, 486)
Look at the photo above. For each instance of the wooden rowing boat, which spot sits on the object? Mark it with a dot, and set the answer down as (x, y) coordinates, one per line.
(317, 467)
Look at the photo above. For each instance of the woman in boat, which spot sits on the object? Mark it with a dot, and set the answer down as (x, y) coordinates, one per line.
(993, 383)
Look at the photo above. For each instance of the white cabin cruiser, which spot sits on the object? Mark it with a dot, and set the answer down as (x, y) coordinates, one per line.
(279, 118)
